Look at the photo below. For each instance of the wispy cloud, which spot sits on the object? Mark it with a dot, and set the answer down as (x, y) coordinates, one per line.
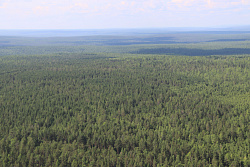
(118, 13)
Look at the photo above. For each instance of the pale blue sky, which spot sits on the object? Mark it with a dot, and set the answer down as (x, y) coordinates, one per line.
(101, 14)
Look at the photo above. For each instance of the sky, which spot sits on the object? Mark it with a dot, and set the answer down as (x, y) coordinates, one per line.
(104, 14)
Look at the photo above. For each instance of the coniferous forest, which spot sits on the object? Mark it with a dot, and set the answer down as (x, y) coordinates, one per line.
(139, 105)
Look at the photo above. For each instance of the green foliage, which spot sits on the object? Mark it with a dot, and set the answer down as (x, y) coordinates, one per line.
(124, 110)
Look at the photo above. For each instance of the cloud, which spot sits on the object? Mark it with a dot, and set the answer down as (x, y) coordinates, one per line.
(41, 10)
(98, 13)
(210, 4)
(56, 7)
(183, 2)
(3, 4)
(245, 2)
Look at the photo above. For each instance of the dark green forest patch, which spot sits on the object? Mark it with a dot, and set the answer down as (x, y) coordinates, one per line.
(228, 40)
(193, 52)
(140, 110)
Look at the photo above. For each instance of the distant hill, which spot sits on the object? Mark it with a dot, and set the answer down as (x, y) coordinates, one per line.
(94, 32)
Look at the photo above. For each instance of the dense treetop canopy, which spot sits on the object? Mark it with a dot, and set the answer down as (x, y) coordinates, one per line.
(125, 109)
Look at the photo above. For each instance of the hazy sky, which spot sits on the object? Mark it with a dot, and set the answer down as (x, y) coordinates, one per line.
(99, 14)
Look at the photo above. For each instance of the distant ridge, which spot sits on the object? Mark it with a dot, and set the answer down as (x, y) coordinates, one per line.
(139, 31)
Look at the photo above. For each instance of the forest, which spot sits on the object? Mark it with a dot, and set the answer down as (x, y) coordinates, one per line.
(184, 103)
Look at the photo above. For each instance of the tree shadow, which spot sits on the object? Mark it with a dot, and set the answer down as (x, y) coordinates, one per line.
(193, 52)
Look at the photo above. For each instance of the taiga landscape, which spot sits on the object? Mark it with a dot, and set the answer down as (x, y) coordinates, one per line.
(124, 83)
(127, 98)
